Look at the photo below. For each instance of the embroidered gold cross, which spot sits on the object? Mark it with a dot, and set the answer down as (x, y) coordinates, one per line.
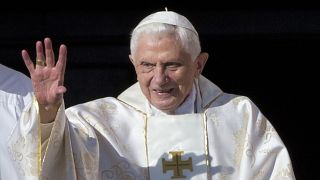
(176, 165)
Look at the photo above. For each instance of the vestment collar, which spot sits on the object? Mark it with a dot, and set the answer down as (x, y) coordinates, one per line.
(207, 92)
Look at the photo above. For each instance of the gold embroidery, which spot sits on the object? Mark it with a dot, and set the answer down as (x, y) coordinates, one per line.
(286, 172)
(85, 166)
(239, 138)
(102, 108)
(13, 149)
(120, 171)
(262, 126)
(237, 100)
(267, 151)
(265, 129)
(56, 139)
(260, 175)
(176, 165)
(213, 118)
(250, 154)
(24, 158)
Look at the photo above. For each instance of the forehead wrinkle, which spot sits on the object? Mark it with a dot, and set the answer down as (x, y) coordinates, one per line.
(158, 46)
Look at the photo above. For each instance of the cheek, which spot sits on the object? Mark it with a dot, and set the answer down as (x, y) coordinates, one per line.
(185, 83)
(144, 80)
(185, 78)
(185, 87)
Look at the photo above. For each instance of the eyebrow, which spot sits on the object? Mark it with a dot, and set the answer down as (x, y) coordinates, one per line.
(146, 62)
(172, 62)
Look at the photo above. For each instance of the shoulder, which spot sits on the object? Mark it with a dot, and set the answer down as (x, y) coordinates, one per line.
(242, 101)
(235, 111)
(14, 81)
(93, 104)
(15, 87)
(234, 103)
(99, 107)
(237, 114)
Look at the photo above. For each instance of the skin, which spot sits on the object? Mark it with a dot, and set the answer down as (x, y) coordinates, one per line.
(47, 81)
(165, 73)
(164, 70)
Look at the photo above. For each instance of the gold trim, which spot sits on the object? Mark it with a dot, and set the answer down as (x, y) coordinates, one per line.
(145, 131)
(206, 138)
(39, 139)
(206, 145)
(146, 140)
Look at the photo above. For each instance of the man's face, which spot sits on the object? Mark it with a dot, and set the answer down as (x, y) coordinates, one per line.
(164, 71)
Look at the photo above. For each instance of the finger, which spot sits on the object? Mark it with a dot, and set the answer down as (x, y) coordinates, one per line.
(59, 91)
(62, 61)
(27, 61)
(49, 52)
(40, 54)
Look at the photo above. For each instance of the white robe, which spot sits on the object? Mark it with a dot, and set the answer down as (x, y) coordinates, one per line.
(226, 137)
(15, 94)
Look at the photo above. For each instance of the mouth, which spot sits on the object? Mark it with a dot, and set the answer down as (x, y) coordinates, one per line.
(163, 92)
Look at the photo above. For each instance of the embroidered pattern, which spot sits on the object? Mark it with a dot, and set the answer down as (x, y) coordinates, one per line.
(121, 171)
(285, 172)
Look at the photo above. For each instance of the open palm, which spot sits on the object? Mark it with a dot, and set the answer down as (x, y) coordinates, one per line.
(47, 78)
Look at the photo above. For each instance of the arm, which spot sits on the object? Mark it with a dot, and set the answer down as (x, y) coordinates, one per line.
(27, 145)
(265, 151)
(47, 78)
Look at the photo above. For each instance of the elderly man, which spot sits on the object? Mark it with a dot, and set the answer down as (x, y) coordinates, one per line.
(172, 124)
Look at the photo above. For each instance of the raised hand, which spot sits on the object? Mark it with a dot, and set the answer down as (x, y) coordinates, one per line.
(47, 76)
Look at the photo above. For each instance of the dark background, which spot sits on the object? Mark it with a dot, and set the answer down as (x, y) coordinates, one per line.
(266, 51)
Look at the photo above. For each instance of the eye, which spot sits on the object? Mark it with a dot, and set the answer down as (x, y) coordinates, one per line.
(173, 65)
(147, 65)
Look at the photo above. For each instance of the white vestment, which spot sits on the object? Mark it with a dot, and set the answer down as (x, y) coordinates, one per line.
(226, 137)
(15, 94)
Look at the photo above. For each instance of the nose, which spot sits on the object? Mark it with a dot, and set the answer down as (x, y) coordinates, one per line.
(160, 76)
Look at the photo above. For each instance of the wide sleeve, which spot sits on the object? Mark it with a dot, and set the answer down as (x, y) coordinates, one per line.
(264, 154)
(24, 144)
(45, 151)
(58, 160)
(37, 149)
(243, 143)
(72, 148)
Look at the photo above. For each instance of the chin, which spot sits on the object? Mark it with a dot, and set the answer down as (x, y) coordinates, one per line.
(166, 107)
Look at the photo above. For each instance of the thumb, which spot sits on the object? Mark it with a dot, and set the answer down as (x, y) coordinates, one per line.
(61, 90)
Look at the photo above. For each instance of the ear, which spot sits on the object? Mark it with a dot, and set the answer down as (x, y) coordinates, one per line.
(200, 62)
(134, 64)
(131, 59)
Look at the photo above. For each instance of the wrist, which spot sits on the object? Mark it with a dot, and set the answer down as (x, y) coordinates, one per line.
(48, 112)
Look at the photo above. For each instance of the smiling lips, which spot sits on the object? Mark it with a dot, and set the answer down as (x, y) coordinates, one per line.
(163, 92)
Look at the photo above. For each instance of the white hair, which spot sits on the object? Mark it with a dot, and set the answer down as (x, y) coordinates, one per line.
(189, 39)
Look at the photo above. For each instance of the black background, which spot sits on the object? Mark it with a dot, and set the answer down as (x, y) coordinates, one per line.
(266, 51)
